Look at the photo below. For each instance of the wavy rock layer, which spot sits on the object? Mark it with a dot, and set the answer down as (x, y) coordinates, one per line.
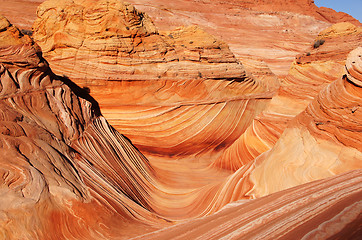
(179, 93)
(309, 74)
(113, 39)
(66, 173)
(324, 140)
(329, 208)
(54, 181)
(64, 169)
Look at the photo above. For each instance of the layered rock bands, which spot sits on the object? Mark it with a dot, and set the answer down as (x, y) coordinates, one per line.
(201, 145)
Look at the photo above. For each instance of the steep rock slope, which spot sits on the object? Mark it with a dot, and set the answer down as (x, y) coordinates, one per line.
(58, 156)
(305, 7)
(177, 93)
(310, 73)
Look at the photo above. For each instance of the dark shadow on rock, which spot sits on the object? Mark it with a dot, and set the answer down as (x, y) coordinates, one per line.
(127, 139)
(81, 92)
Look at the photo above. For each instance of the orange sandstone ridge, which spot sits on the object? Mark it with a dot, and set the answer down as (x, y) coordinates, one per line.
(167, 14)
(272, 31)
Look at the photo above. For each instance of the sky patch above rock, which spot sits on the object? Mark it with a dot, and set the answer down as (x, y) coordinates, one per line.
(352, 7)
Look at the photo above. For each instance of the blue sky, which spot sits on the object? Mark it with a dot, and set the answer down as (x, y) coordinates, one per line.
(352, 7)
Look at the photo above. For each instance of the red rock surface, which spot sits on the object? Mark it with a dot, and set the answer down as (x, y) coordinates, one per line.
(273, 31)
(178, 93)
(19, 12)
(324, 140)
(66, 173)
(315, 210)
(55, 160)
(309, 74)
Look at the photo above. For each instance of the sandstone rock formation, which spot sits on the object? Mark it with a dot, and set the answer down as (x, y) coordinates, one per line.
(157, 117)
(57, 156)
(176, 93)
(320, 212)
(305, 7)
(310, 73)
(324, 140)
(212, 132)
(273, 31)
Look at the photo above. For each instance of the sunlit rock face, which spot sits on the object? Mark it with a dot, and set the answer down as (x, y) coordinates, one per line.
(111, 40)
(322, 63)
(324, 209)
(324, 140)
(272, 31)
(175, 93)
(212, 131)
